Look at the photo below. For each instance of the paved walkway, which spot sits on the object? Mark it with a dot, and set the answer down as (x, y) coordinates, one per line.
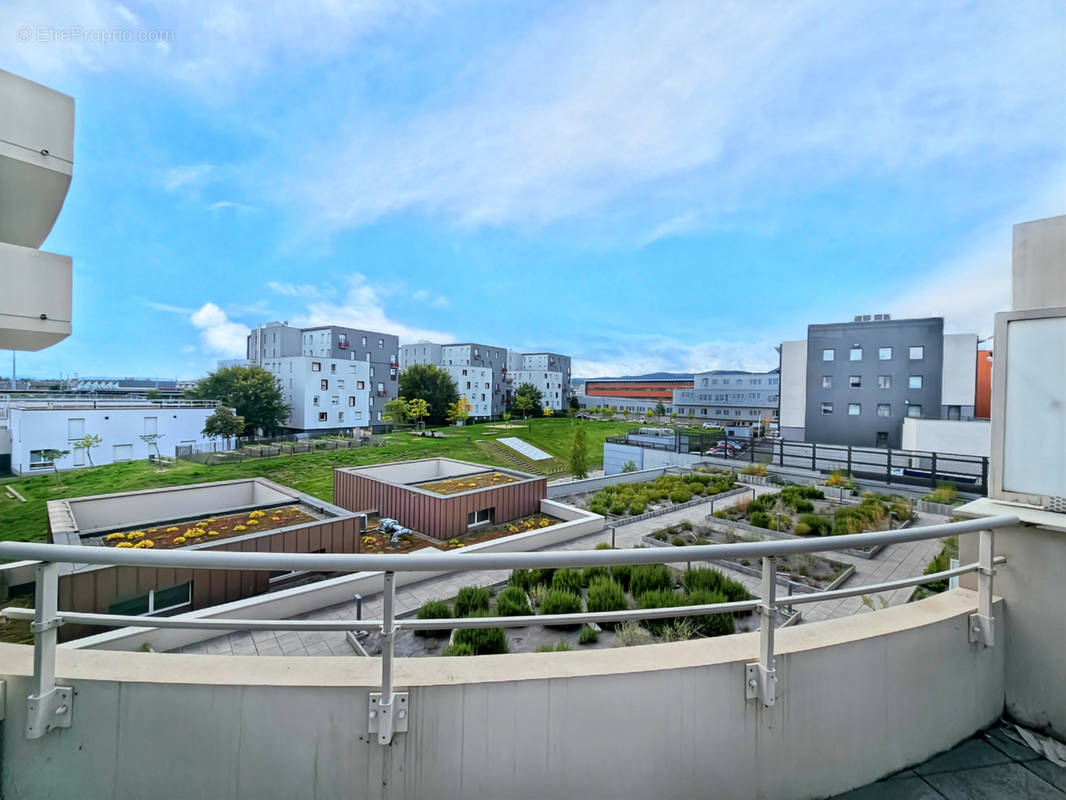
(894, 561)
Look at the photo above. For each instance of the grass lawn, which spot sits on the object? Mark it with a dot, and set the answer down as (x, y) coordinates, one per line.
(308, 472)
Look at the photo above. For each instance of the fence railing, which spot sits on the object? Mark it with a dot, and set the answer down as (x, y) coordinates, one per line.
(50, 706)
(220, 452)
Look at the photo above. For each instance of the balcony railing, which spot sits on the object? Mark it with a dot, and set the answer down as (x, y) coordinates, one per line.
(50, 706)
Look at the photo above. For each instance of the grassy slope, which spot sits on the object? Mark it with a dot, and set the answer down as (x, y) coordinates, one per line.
(311, 472)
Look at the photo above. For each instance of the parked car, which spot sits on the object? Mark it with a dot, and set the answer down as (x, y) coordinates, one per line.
(712, 426)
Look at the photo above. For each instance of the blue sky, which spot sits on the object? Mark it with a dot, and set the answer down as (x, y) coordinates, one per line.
(646, 186)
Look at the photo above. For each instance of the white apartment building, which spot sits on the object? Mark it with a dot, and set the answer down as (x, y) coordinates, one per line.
(326, 394)
(549, 372)
(30, 427)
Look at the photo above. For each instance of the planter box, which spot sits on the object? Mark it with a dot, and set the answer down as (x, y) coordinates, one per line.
(943, 509)
(617, 521)
(753, 480)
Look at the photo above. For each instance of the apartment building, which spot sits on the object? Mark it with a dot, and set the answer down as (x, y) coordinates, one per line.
(856, 382)
(731, 397)
(549, 372)
(333, 378)
(30, 427)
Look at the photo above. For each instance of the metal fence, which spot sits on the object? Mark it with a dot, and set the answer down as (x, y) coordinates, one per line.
(50, 706)
(221, 453)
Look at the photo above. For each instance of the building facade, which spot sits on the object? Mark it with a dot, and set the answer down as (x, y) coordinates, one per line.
(861, 379)
(333, 378)
(653, 390)
(731, 397)
(549, 372)
(29, 428)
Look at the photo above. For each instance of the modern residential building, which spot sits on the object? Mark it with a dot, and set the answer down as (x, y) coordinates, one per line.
(855, 382)
(731, 397)
(487, 375)
(333, 378)
(30, 427)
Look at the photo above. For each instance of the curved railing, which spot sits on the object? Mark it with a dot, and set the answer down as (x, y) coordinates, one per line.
(50, 705)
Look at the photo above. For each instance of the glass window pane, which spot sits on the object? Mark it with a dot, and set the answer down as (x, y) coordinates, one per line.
(914, 410)
(884, 353)
(135, 606)
(917, 353)
(914, 382)
(827, 408)
(827, 381)
(855, 381)
(854, 409)
(828, 355)
(855, 354)
(174, 596)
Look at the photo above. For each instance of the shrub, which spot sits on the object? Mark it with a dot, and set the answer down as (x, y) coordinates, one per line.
(588, 574)
(512, 602)
(631, 634)
(660, 598)
(567, 580)
(588, 635)
(629, 466)
(754, 469)
(483, 641)
(560, 647)
(603, 546)
(848, 520)
(798, 504)
(802, 529)
(781, 522)
(434, 609)
(680, 495)
(759, 519)
(528, 578)
(598, 507)
(558, 601)
(708, 579)
(686, 525)
(471, 600)
(678, 541)
(605, 595)
(457, 650)
(945, 493)
(711, 624)
(648, 578)
(622, 575)
(637, 507)
(618, 507)
(819, 526)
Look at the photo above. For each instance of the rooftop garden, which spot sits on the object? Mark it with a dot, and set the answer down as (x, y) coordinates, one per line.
(376, 541)
(468, 483)
(804, 511)
(632, 499)
(209, 529)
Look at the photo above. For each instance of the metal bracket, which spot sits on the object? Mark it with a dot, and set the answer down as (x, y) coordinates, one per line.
(52, 710)
(46, 625)
(982, 630)
(385, 719)
(760, 683)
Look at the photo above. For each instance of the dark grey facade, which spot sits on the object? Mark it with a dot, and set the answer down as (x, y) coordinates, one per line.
(865, 378)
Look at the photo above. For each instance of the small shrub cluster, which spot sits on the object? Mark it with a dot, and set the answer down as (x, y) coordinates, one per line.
(708, 579)
(567, 580)
(588, 635)
(434, 609)
(648, 578)
(605, 595)
(482, 641)
(457, 650)
(513, 602)
(760, 519)
(528, 578)
(630, 634)
(813, 524)
(754, 469)
(634, 498)
(945, 493)
(472, 600)
(559, 601)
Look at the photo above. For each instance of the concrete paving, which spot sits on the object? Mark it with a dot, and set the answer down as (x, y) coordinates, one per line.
(893, 562)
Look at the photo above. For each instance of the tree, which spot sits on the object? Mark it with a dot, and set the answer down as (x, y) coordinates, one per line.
(152, 441)
(547, 412)
(527, 398)
(673, 417)
(691, 415)
(417, 409)
(629, 466)
(578, 456)
(506, 416)
(433, 385)
(223, 424)
(395, 411)
(574, 404)
(153, 394)
(649, 414)
(459, 411)
(660, 410)
(87, 443)
(251, 391)
(52, 456)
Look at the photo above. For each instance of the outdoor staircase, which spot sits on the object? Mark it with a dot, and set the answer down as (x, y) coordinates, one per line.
(547, 467)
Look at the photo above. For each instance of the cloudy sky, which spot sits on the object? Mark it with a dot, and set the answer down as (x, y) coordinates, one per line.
(643, 185)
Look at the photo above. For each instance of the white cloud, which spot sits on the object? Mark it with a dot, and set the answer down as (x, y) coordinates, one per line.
(168, 308)
(191, 176)
(298, 290)
(440, 302)
(361, 306)
(219, 335)
(222, 205)
(640, 355)
(421, 294)
(188, 348)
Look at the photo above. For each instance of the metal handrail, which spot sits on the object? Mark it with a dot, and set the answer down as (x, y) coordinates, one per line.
(49, 705)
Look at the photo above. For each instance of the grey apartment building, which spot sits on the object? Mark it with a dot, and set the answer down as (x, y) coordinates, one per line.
(730, 397)
(855, 382)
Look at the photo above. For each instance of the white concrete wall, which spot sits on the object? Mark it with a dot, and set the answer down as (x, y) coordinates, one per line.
(793, 385)
(301, 386)
(971, 438)
(959, 370)
(858, 698)
(475, 386)
(1038, 279)
(51, 428)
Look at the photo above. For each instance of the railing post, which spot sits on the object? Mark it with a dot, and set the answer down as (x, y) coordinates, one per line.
(982, 624)
(814, 456)
(48, 706)
(761, 677)
(388, 709)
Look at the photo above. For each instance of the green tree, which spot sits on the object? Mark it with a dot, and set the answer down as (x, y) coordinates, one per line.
(660, 410)
(433, 385)
(87, 443)
(153, 394)
(673, 417)
(459, 411)
(527, 399)
(251, 391)
(417, 409)
(691, 415)
(395, 411)
(152, 441)
(574, 404)
(223, 424)
(52, 456)
(578, 456)
(649, 414)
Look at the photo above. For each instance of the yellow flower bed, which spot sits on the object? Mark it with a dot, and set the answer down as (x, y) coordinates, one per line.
(134, 535)
(124, 544)
(179, 540)
(146, 543)
(114, 537)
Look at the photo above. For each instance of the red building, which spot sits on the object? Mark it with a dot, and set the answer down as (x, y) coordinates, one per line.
(982, 407)
(638, 389)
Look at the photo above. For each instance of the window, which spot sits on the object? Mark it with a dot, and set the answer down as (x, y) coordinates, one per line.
(360, 385)
(314, 400)
(954, 412)
(363, 341)
(122, 452)
(917, 352)
(884, 353)
(340, 384)
(155, 602)
(914, 410)
(827, 408)
(855, 354)
(882, 439)
(884, 410)
(464, 372)
(335, 400)
(829, 355)
(340, 416)
(827, 381)
(381, 343)
(342, 341)
(316, 366)
(914, 382)
(322, 416)
(38, 461)
(381, 387)
(325, 384)
(854, 409)
(75, 429)
(332, 367)
(884, 381)
(351, 401)
(855, 381)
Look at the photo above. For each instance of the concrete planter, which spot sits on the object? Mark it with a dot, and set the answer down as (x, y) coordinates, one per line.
(753, 480)
(617, 521)
(943, 509)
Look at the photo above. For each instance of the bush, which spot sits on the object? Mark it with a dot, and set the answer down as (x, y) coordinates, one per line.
(434, 609)
(754, 469)
(526, 579)
(660, 598)
(472, 600)
(798, 504)
(605, 595)
(648, 578)
(598, 507)
(759, 519)
(622, 575)
(637, 507)
(945, 493)
(680, 495)
(483, 641)
(588, 574)
(678, 541)
(559, 647)
(457, 650)
(558, 601)
(567, 580)
(819, 526)
(630, 634)
(588, 635)
(512, 602)
(848, 520)
(781, 522)
(711, 624)
(686, 525)
(802, 529)
(708, 579)
(618, 507)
